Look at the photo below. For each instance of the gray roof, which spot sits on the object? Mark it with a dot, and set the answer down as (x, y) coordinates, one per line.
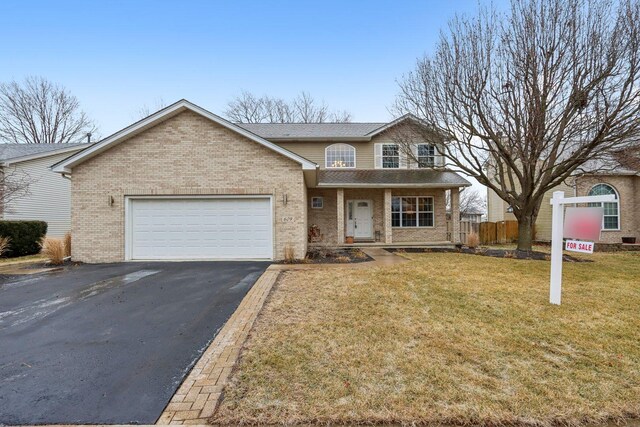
(293, 131)
(14, 151)
(390, 177)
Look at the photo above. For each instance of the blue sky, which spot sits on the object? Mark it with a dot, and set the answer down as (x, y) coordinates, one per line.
(117, 56)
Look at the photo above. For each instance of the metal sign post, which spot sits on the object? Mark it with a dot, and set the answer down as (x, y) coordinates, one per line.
(557, 233)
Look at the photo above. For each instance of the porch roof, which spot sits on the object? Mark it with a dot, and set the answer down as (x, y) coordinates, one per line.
(384, 178)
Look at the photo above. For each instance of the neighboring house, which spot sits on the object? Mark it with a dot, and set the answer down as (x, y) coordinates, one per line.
(47, 196)
(621, 218)
(471, 216)
(187, 184)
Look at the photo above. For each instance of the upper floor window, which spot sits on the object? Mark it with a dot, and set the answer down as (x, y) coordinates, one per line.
(611, 218)
(340, 156)
(390, 156)
(426, 155)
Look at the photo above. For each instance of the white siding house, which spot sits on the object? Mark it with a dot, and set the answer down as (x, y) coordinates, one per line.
(49, 194)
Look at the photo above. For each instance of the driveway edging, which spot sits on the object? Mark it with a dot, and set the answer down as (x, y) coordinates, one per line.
(200, 393)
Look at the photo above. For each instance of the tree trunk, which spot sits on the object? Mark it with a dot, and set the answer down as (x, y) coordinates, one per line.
(525, 231)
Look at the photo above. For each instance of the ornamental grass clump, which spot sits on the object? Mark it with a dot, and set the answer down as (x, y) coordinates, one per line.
(53, 249)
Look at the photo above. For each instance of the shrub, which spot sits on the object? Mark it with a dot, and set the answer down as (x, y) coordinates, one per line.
(25, 236)
(473, 240)
(4, 244)
(289, 255)
(53, 249)
(67, 244)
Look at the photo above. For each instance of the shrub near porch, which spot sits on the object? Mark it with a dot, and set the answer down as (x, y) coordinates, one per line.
(446, 338)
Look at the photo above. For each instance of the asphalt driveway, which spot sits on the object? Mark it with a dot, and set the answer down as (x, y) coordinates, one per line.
(110, 343)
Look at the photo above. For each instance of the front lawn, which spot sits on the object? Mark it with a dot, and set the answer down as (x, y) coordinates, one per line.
(22, 259)
(446, 338)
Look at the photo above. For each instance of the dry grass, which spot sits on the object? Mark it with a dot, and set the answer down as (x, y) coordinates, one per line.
(446, 338)
(21, 260)
(5, 244)
(53, 249)
(289, 254)
(67, 245)
(473, 240)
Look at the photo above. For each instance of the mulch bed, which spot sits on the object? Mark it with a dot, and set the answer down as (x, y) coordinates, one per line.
(496, 253)
(331, 256)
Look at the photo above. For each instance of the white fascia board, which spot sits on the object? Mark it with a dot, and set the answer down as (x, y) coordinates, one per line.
(434, 185)
(67, 165)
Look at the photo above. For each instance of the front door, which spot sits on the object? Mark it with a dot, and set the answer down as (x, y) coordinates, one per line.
(362, 219)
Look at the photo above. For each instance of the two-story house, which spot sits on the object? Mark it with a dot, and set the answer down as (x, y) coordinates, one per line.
(184, 183)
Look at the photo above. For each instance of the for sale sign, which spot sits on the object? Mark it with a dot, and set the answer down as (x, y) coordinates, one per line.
(583, 223)
(579, 246)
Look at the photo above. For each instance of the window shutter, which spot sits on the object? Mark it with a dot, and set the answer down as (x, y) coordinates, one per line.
(439, 160)
(378, 156)
(404, 157)
(413, 159)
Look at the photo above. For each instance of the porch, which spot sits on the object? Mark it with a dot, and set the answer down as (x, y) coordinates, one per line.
(379, 217)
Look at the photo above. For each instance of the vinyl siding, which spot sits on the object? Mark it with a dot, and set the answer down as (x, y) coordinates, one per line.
(49, 197)
(314, 151)
(365, 151)
(543, 222)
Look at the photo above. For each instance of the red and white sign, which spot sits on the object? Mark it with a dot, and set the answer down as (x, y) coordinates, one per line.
(579, 246)
(583, 223)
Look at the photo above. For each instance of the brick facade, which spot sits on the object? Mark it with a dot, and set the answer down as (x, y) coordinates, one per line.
(327, 217)
(628, 188)
(185, 155)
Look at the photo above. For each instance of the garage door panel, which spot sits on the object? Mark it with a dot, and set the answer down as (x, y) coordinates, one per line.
(201, 228)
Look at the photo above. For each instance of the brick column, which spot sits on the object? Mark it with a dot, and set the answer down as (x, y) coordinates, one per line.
(386, 215)
(455, 215)
(340, 214)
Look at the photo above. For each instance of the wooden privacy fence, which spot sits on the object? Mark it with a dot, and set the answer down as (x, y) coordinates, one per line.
(498, 232)
(466, 228)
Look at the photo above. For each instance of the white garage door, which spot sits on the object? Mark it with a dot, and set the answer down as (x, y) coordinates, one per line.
(200, 228)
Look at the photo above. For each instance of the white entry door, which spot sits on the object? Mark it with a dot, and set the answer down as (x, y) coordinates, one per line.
(362, 219)
(199, 228)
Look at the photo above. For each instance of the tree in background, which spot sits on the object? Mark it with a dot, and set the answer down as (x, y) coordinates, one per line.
(471, 202)
(146, 110)
(525, 98)
(38, 111)
(248, 108)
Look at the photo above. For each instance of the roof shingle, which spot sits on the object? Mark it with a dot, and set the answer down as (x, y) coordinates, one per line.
(14, 151)
(294, 131)
(390, 177)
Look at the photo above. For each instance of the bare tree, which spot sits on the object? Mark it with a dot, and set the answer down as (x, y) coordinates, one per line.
(14, 184)
(146, 110)
(39, 111)
(471, 201)
(525, 98)
(248, 108)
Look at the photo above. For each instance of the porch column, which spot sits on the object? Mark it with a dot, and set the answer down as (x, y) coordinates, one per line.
(340, 215)
(386, 215)
(455, 215)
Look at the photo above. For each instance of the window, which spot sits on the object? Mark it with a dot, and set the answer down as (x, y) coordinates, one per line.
(426, 154)
(390, 156)
(317, 202)
(340, 156)
(412, 212)
(611, 218)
